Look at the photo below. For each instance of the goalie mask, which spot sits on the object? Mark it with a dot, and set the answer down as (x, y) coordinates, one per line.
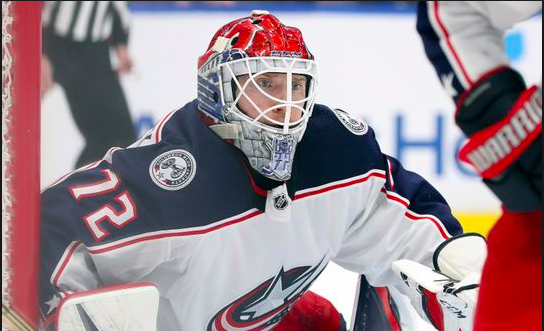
(258, 55)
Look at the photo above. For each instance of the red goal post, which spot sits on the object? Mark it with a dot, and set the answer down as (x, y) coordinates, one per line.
(21, 56)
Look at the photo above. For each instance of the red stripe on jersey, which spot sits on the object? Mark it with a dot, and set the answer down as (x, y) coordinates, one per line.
(416, 217)
(398, 199)
(337, 186)
(450, 45)
(258, 212)
(175, 234)
(158, 135)
(256, 187)
(391, 180)
(220, 226)
(413, 216)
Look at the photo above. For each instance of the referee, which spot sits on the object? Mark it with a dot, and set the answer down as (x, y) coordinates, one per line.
(77, 36)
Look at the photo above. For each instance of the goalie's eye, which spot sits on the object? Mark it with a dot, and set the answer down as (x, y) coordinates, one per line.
(297, 86)
(264, 83)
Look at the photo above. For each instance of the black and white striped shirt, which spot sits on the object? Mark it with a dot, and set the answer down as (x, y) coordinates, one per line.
(87, 21)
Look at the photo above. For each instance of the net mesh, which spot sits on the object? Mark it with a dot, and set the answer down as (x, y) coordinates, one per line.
(7, 20)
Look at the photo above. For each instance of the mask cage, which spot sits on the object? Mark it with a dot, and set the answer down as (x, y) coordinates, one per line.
(257, 66)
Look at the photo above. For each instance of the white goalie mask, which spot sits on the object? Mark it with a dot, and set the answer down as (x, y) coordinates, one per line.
(260, 103)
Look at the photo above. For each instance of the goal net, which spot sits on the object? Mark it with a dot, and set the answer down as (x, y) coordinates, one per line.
(21, 49)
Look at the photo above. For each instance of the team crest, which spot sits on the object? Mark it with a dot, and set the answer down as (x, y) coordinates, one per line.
(265, 306)
(173, 170)
(356, 126)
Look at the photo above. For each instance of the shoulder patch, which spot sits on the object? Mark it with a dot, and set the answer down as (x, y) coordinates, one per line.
(356, 126)
(173, 170)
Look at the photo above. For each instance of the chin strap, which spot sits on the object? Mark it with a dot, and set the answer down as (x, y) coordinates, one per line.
(228, 131)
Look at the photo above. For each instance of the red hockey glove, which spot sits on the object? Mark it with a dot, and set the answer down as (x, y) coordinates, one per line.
(493, 150)
(503, 121)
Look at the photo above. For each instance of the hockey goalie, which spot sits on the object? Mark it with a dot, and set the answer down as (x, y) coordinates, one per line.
(222, 216)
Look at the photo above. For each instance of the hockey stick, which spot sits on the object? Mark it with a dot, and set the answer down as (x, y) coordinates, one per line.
(13, 321)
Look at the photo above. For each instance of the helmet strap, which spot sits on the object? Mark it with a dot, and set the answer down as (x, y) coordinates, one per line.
(228, 130)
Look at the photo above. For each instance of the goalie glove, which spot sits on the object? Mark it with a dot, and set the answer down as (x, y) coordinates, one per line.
(503, 121)
(131, 307)
(446, 296)
(448, 304)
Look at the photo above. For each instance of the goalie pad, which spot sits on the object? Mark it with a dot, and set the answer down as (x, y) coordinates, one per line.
(130, 307)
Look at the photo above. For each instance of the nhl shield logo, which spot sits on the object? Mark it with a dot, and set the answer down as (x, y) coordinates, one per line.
(173, 170)
(280, 201)
(356, 126)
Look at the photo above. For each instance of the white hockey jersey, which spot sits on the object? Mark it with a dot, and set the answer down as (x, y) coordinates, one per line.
(228, 249)
(464, 39)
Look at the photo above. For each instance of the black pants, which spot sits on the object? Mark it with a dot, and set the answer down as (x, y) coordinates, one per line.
(94, 94)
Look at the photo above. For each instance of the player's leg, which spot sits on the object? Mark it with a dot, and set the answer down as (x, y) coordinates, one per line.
(115, 112)
(98, 104)
(111, 124)
(511, 289)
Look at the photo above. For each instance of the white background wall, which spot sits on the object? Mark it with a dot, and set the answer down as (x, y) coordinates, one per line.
(371, 65)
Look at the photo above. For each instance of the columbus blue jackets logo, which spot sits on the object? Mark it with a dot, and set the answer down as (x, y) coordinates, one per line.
(266, 305)
(173, 170)
(356, 126)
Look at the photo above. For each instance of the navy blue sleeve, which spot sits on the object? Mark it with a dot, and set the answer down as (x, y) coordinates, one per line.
(423, 198)
(64, 236)
(434, 51)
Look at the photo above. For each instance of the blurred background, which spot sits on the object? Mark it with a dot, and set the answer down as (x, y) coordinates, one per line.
(372, 65)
